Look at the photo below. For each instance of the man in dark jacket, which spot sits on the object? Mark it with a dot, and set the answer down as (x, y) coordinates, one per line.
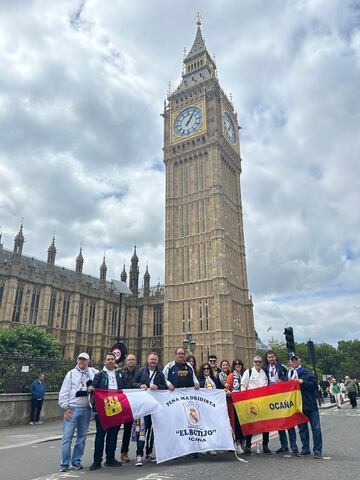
(309, 389)
(146, 377)
(276, 372)
(108, 379)
(180, 374)
(37, 391)
(128, 373)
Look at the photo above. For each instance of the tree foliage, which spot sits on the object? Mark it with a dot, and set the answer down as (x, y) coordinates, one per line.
(28, 340)
(340, 361)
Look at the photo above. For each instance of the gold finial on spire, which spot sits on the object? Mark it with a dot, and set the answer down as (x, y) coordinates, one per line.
(198, 19)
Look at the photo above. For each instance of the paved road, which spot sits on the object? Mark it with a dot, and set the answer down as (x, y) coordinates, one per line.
(341, 435)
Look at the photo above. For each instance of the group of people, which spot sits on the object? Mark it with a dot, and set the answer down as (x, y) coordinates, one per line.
(182, 372)
(338, 390)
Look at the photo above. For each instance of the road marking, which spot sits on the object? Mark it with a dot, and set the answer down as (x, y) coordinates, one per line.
(156, 476)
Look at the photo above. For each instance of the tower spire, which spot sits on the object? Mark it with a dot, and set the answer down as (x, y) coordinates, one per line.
(79, 261)
(123, 275)
(19, 241)
(52, 253)
(103, 270)
(147, 282)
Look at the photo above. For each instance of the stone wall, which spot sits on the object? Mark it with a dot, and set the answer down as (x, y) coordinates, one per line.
(15, 408)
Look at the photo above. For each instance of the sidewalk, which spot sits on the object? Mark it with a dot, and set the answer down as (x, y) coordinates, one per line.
(25, 435)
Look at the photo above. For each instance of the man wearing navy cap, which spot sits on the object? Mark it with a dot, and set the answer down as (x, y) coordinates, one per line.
(309, 388)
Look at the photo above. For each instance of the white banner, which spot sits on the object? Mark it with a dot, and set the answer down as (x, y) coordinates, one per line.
(191, 421)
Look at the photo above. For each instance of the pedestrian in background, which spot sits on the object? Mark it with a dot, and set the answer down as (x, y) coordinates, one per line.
(73, 399)
(37, 391)
(350, 386)
(128, 373)
(336, 390)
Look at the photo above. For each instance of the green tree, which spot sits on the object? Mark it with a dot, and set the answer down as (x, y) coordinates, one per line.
(28, 340)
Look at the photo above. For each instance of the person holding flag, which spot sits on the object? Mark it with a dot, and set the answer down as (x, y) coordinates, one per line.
(254, 378)
(309, 388)
(108, 379)
(148, 377)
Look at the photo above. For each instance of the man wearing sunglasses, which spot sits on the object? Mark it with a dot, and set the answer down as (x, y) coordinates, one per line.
(254, 378)
(212, 359)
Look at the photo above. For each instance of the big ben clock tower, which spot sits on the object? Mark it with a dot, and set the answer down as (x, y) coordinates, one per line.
(206, 289)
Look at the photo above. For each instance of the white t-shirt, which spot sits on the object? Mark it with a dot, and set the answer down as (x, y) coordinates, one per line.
(112, 379)
(151, 376)
(255, 380)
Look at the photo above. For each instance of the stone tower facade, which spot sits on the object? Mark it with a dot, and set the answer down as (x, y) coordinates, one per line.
(206, 289)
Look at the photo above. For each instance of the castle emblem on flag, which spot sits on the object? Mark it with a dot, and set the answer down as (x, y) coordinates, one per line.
(192, 412)
(253, 410)
(112, 406)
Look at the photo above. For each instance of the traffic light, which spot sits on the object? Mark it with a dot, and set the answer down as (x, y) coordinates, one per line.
(311, 352)
(289, 337)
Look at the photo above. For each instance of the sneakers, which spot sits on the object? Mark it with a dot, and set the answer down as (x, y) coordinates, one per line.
(31, 423)
(247, 451)
(64, 469)
(125, 458)
(266, 450)
(113, 463)
(39, 422)
(150, 457)
(77, 466)
(303, 453)
(95, 466)
(295, 452)
(282, 450)
(238, 449)
(139, 461)
(317, 456)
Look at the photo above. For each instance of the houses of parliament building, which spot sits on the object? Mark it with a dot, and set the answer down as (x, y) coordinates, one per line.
(206, 290)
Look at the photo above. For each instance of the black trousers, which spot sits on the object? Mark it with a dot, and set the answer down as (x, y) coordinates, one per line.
(239, 436)
(148, 443)
(126, 437)
(265, 436)
(36, 406)
(352, 398)
(111, 435)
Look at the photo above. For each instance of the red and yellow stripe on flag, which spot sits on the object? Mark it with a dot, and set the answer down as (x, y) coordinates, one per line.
(265, 409)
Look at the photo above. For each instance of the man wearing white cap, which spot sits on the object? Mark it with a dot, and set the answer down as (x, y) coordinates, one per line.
(73, 399)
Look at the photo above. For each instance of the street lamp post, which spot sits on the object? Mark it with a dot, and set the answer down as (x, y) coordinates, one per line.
(120, 348)
(189, 344)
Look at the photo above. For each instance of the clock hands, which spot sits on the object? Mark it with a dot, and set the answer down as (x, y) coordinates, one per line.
(191, 116)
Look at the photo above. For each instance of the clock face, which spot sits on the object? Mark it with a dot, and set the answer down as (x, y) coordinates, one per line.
(188, 121)
(229, 128)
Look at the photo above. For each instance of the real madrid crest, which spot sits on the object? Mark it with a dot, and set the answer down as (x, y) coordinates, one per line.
(253, 410)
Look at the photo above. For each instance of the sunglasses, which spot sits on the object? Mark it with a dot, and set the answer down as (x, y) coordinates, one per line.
(258, 361)
(238, 364)
(212, 361)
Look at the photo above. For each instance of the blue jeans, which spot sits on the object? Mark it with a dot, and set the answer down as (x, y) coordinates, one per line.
(313, 416)
(284, 440)
(80, 420)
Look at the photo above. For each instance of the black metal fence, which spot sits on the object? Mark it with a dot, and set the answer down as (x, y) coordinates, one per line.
(17, 373)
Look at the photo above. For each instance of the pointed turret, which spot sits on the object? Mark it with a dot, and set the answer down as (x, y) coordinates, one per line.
(134, 273)
(103, 270)
(123, 276)
(51, 253)
(198, 65)
(79, 262)
(19, 241)
(146, 282)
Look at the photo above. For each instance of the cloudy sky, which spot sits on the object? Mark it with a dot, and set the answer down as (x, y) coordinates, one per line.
(82, 86)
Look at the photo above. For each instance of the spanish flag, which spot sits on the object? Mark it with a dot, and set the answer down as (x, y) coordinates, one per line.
(115, 407)
(265, 409)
